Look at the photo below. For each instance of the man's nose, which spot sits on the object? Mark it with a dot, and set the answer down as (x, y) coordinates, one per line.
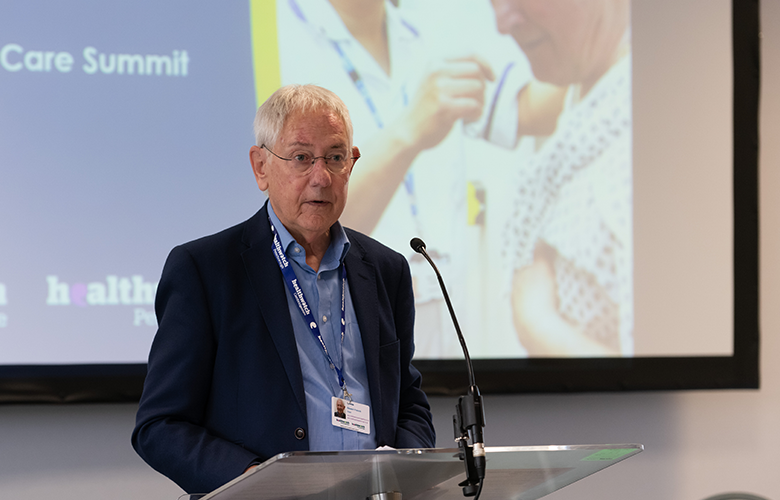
(320, 175)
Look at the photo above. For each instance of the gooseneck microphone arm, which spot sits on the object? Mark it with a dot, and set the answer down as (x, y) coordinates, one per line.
(469, 418)
(419, 246)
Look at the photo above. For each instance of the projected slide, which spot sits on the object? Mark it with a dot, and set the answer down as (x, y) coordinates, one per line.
(501, 133)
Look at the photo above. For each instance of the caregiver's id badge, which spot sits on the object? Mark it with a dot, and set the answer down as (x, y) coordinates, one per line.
(350, 415)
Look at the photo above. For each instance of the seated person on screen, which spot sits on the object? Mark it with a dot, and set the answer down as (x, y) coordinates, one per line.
(570, 240)
(254, 314)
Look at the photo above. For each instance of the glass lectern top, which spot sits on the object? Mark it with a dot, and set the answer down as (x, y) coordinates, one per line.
(513, 473)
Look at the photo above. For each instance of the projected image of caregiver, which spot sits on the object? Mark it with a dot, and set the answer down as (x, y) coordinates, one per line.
(570, 239)
(405, 106)
(289, 309)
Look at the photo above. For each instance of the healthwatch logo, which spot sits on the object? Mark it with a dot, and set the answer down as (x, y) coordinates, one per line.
(113, 291)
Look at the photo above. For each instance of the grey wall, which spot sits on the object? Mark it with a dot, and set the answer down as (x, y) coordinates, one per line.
(697, 443)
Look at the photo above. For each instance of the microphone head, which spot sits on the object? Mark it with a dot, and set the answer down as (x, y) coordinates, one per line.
(417, 244)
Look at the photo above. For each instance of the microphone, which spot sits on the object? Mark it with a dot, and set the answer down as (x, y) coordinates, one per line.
(469, 419)
(418, 245)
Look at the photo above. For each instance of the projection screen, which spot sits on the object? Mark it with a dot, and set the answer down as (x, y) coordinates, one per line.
(587, 211)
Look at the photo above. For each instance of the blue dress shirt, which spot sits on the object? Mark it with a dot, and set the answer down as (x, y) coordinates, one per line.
(322, 290)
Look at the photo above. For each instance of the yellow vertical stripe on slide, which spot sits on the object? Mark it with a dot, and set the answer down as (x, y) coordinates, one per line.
(265, 48)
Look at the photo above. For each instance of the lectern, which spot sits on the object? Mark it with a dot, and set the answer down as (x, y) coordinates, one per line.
(513, 473)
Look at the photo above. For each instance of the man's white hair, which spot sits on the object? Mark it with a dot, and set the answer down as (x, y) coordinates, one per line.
(290, 99)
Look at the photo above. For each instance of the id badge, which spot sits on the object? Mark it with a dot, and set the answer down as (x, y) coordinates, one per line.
(350, 415)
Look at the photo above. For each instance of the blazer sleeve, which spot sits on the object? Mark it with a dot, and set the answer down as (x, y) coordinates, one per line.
(169, 433)
(415, 423)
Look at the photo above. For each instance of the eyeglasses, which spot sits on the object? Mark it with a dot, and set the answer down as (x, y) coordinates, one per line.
(303, 163)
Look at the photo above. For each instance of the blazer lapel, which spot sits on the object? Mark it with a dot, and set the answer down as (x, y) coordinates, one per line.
(361, 276)
(268, 285)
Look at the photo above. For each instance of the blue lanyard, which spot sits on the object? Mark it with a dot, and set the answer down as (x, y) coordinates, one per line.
(300, 299)
(359, 83)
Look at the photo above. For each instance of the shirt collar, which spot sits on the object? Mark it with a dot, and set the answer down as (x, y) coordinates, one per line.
(334, 256)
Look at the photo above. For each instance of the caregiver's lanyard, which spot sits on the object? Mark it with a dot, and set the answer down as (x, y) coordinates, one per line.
(360, 85)
(303, 306)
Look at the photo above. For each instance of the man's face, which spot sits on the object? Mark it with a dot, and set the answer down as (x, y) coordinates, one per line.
(561, 38)
(308, 205)
(340, 406)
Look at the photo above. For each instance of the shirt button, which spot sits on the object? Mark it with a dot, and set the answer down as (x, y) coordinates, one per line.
(319, 276)
(300, 433)
(297, 250)
(324, 319)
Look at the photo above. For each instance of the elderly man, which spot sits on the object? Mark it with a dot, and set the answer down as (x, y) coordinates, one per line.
(287, 307)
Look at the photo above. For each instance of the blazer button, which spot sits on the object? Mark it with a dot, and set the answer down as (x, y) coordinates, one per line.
(300, 433)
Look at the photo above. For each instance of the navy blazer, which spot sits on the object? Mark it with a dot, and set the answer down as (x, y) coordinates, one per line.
(224, 385)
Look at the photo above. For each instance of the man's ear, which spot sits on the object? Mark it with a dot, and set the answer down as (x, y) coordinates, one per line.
(259, 160)
(355, 154)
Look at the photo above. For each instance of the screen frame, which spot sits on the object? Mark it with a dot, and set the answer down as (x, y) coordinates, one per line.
(124, 382)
